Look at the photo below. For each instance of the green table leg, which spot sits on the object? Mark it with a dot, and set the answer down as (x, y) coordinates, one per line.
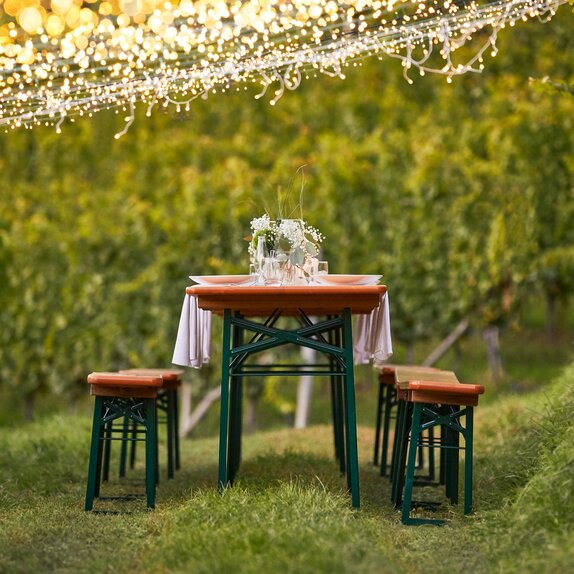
(224, 411)
(235, 411)
(350, 415)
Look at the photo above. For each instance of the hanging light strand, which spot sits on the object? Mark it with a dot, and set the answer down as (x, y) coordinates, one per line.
(179, 53)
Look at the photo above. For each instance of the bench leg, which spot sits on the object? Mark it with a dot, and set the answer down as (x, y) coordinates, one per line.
(124, 448)
(380, 400)
(170, 435)
(95, 454)
(176, 428)
(468, 456)
(150, 451)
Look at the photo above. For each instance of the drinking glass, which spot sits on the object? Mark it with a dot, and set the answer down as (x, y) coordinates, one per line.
(322, 268)
(271, 270)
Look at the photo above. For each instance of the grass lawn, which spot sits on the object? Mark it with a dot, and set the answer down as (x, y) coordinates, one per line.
(290, 512)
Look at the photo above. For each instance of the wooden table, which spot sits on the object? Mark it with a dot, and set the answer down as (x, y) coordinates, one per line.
(330, 335)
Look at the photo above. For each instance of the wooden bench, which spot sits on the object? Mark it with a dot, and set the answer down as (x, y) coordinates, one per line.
(429, 404)
(122, 396)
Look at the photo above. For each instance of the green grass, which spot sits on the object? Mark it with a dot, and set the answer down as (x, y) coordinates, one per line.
(290, 511)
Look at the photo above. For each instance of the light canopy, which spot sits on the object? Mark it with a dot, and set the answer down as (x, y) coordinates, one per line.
(64, 58)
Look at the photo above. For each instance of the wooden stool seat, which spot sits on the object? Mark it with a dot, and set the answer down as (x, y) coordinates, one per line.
(171, 377)
(441, 393)
(124, 380)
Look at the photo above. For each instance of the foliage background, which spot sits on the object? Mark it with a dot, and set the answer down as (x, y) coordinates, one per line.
(462, 195)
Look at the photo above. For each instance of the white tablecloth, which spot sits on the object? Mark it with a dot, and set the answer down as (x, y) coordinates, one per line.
(371, 334)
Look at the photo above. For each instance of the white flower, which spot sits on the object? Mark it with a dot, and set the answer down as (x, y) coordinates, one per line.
(292, 235)
(260, 223)
(292, 230)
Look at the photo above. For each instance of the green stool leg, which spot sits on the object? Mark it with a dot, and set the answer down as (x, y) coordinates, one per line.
(222, 478)
(468, 456)
(389, 399)
(410, 472)
(399, 423)
(95, 449)
(133, 445)
(421, 457)
(403, 451)
(107, 451)
(156, 445)
(400, 453)
(124, 448)
(150, 451)
(410, 475)
(380, 402)
(395, 452)
(170, 437)
(442, 454)
(431, 454)
(350, 418)
(176, 428)
(100, 459)
(451, 458)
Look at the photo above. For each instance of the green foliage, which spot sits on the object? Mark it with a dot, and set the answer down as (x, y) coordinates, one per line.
(460, 194)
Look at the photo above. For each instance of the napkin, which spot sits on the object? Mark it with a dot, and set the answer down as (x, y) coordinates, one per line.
(372, 340)
(193, 343)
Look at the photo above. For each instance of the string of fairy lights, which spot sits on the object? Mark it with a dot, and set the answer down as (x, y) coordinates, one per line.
(61, 59)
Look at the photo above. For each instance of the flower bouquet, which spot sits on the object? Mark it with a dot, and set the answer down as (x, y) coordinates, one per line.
(287, 249)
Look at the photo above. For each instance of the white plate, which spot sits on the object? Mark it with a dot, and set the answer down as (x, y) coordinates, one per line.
(222, 280)
(335, 279)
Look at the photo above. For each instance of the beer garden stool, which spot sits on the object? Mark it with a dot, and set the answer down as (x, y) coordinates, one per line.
(404, 374)
(431, 404)
(167, 403)
(120, 396)
(387, 404)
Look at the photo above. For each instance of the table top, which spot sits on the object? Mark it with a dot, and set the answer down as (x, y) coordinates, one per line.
(313, 299)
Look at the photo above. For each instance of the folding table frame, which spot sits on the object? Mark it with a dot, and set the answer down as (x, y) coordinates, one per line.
(323, 323)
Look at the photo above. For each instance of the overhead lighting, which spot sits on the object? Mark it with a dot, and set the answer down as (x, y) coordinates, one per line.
(69, 58)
